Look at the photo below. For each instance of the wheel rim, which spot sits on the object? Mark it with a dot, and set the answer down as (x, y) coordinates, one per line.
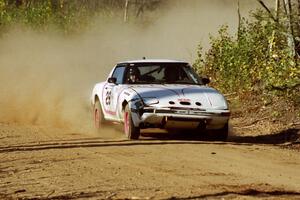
(126, 123)
(97, 118)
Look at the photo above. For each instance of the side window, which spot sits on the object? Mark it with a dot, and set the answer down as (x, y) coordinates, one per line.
(119, 74)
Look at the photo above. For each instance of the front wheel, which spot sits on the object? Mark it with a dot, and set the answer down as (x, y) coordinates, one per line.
(222, 134)
(98, 115)
(131, 132)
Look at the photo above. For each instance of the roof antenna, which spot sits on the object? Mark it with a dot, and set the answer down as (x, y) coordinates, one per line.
(144, 58)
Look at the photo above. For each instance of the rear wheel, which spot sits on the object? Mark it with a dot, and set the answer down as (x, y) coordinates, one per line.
(131, 132)
(98, 115)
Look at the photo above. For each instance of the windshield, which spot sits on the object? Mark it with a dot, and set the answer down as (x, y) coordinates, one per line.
(161, 73)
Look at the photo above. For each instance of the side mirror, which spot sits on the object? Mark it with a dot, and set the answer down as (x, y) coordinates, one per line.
(205, 80)
(112, 80)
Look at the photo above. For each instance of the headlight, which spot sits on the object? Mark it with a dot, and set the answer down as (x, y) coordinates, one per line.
(138, 104)
(150, 101)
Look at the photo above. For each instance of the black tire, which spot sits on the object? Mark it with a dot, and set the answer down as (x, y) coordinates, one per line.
(222, 134)
(200, 132)
(98, 115)
(131, 132)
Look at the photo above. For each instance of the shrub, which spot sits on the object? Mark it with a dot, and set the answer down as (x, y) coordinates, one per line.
(257, 59)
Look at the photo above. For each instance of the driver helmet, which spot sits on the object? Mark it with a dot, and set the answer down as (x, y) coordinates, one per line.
(134, 74)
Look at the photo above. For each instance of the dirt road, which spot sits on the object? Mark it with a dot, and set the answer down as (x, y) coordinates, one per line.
(47, 163)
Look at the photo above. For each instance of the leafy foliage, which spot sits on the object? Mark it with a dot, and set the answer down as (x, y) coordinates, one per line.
(258, 60)
(67, 16)
(41, 15)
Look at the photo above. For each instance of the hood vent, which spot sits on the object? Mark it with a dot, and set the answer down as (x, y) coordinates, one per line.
(171, 102)
(198, 104)
(185, 103)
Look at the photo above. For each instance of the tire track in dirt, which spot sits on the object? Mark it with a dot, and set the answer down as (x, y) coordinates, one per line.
(57, 165)
(90, 144)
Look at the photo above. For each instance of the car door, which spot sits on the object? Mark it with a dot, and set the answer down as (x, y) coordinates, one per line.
(112, 92)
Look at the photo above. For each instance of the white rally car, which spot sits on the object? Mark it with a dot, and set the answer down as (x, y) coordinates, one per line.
(165, 94)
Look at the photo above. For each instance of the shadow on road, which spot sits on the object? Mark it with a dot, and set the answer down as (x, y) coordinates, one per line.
(290, 135)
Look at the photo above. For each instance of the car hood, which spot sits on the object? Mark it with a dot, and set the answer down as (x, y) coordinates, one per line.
(173, 95)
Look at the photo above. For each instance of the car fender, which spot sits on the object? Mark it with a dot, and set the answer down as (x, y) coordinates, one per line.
(97, 93)
(132, 98)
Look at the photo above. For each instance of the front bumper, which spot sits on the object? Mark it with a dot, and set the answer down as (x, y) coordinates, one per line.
(181, 118)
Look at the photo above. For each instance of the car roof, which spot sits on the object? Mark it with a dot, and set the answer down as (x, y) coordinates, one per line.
(152, 61)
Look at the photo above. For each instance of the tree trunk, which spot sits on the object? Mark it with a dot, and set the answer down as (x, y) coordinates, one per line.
(272, 42)
(239, 18)
(277, 5)
(298, 36)
(126, 11)
(141, 7)
(290, 33)
(298, 18)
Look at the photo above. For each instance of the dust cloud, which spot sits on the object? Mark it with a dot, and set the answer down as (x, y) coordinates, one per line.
(47, 78)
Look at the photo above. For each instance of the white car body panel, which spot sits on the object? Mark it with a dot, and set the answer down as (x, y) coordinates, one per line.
(153, 101)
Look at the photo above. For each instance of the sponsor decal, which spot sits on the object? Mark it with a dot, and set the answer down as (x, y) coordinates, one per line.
(183, 112)
(108, 97)
(184, 100)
